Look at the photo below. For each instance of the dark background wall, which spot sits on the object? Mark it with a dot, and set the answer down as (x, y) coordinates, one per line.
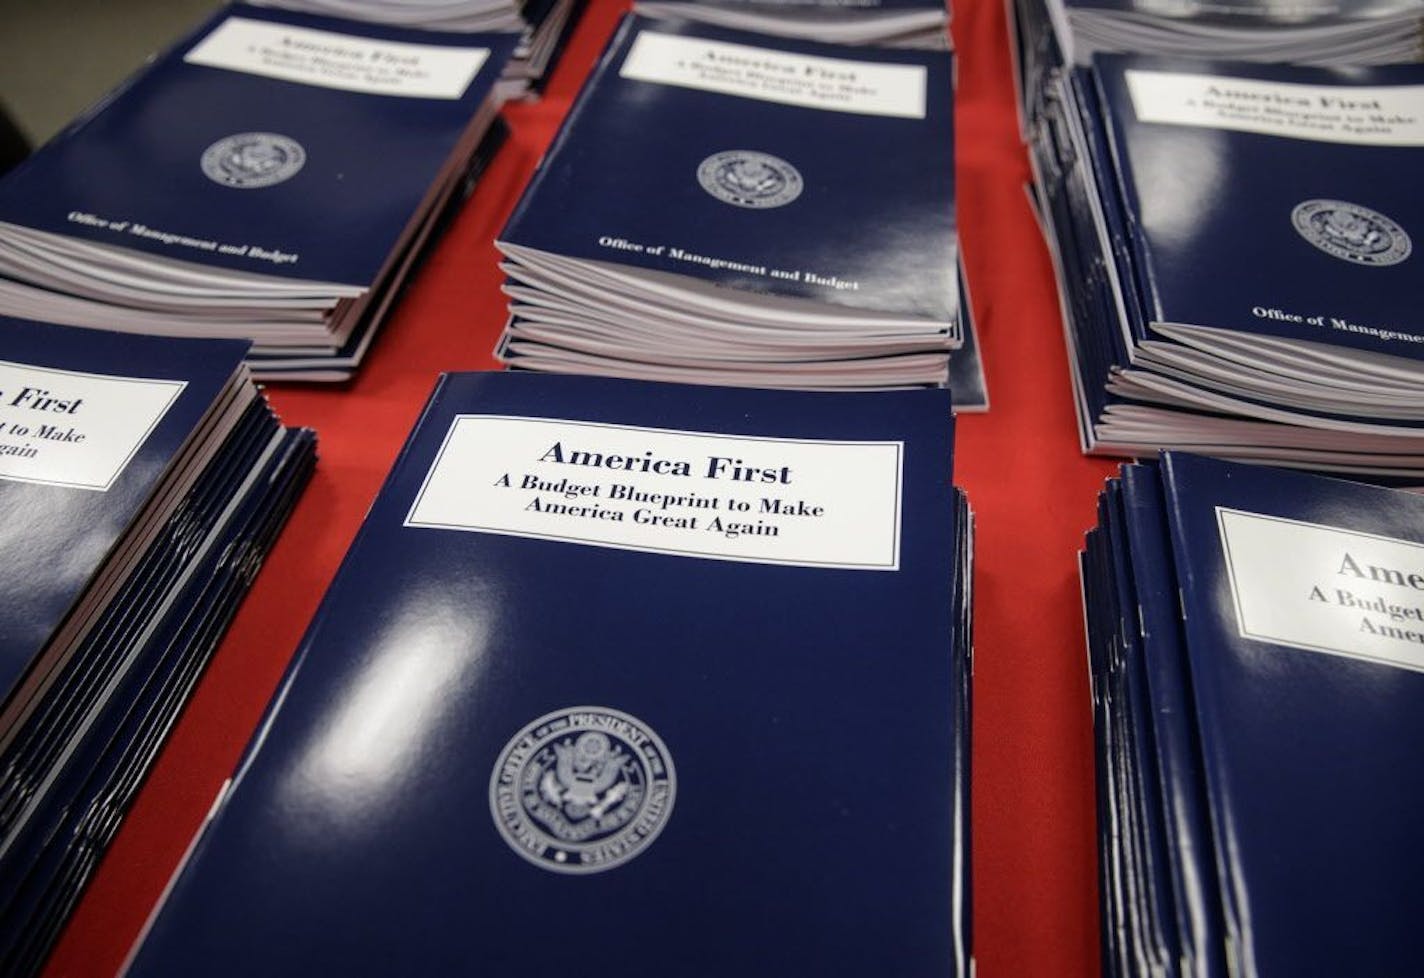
(58, 56)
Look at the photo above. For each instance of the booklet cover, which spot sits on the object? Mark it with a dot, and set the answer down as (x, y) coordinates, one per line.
(265, 144)
(761, 164)
(1292, 190)
(80, 773)
(1315, 393)
(611, 654)
(89, 424)
(1301, 599)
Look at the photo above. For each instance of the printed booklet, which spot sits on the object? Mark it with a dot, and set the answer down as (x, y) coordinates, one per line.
(610, 651)
(1255, 644)
(142, 479)
(1234, 246)
(727, 207)
(243, 185)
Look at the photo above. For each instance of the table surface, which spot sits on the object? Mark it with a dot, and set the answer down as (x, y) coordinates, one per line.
(1033, 492)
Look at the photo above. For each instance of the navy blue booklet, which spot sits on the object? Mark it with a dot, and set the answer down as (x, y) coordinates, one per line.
(152, 157)
(608, 651)
(84, 783)
(1050, 36)
(793, 212)
(1300, 204)
(764, 165)
(1302, 611)
(1255, 634)
(244, 184)
(143, 479)
(1307, 347)
(92, 426)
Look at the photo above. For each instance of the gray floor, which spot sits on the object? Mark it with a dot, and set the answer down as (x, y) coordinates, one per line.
(57, 57)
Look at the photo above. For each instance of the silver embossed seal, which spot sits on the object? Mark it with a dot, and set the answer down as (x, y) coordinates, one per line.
(582, 790)
(747, 178)
(1351, 232)
(249, 160)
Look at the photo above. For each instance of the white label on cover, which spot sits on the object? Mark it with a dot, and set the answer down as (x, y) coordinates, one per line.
(834, 84)
(65, 428)
(809, 503)
(331, 60)
(1376, 116)
(1326, 589)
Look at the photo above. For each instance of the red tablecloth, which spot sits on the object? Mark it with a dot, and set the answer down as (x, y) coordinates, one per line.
(1035, 901)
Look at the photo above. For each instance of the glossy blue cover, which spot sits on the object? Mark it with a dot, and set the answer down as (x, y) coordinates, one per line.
(810, 712)
(42, 877)
(1212, 209)
(876, 209)
(57, 536)
(135, 158)
(1311, 759)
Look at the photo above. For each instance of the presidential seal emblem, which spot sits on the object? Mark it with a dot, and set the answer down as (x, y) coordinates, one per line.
(1351, 232)
(582, 790)
(746, 178)
(249, 160)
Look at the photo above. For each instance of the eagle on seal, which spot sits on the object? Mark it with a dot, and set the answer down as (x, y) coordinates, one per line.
(582, 774)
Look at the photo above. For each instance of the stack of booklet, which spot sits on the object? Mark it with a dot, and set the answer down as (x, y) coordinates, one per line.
(611, 654)
(1255, 645)
(142, 481)
(1234, 245)
(273, 177)
(542, 26)
(886, 23)
(728, 208)
(1050, 35)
